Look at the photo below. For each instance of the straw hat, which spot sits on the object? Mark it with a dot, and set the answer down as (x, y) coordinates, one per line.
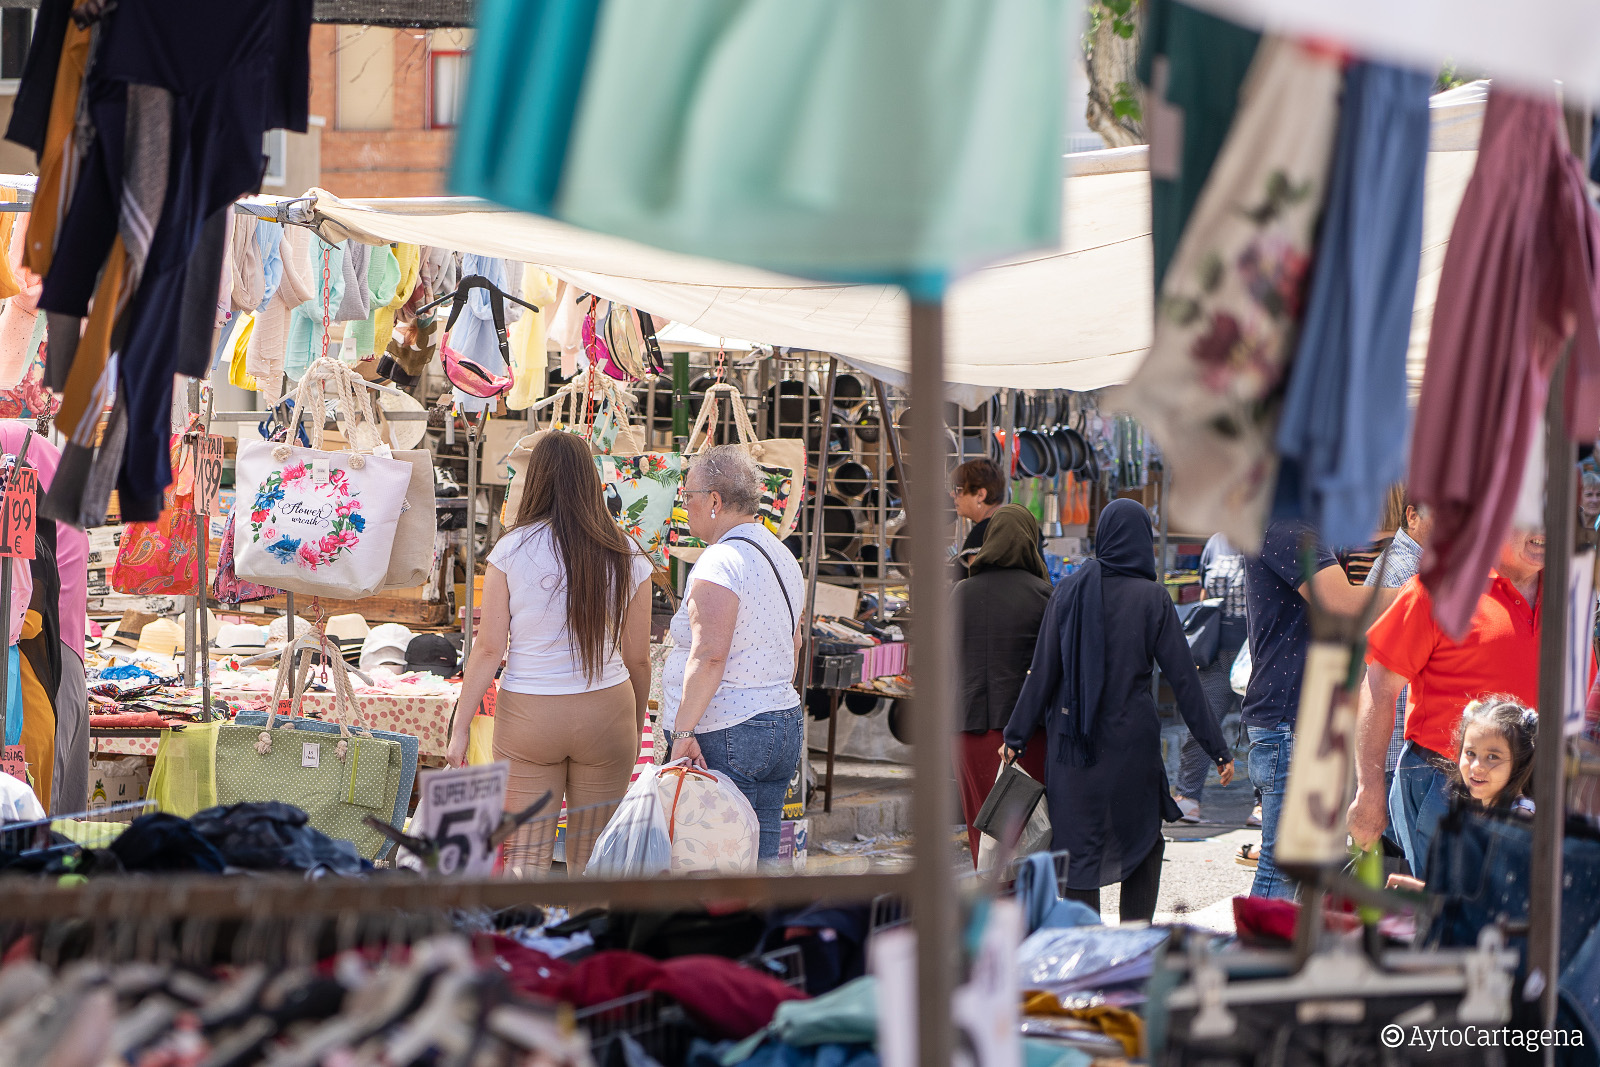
(348, 629)
(240, 637)
(162, 638)
(126, 631)
(278, 630)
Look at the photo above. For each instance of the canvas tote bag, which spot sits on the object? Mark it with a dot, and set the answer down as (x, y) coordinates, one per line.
(314, 522)
(781, 461)
(336, 779)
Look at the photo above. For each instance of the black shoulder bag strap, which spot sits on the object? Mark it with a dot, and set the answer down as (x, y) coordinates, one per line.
(793, 619)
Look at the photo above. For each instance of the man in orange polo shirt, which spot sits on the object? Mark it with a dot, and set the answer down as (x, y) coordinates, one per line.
(1498, 654)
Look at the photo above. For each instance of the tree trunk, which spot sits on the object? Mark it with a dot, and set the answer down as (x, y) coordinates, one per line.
(1110, 62)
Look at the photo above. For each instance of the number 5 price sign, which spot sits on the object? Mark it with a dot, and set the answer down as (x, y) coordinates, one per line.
(1311, 829)
(460, 808)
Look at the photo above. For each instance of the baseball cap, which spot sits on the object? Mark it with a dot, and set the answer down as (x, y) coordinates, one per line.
(431, 652)
(385, 645)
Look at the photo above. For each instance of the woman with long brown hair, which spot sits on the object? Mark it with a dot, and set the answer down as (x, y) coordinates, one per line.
(566, 604)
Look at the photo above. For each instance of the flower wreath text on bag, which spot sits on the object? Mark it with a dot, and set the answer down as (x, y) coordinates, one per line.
(158, 558)
(314, 522)
(781, 461)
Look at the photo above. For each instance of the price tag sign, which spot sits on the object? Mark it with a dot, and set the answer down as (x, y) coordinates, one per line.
(14, 763)
(460, 808)
(18, 519)
(208, 472)
(1311, 828)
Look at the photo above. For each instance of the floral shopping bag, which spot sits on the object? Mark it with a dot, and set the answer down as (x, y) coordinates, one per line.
(158, 558)
(314, 522)
(640, 492)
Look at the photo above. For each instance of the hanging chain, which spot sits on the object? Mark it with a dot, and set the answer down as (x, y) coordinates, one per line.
(722, 360)
(327, 295)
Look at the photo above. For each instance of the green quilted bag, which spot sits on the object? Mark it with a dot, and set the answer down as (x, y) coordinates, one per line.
(336, 779)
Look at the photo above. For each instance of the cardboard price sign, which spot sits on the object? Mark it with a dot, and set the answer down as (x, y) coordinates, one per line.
(13, 761)
(461, 807)
(208, 472)
(18, 518)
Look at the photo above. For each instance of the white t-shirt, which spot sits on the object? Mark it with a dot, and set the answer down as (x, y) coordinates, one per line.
(760, 672)
(540, 657)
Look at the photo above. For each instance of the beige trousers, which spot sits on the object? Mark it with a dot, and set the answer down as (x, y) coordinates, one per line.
(580, 746)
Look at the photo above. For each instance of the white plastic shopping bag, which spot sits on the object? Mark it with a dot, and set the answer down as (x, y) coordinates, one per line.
(634, 843)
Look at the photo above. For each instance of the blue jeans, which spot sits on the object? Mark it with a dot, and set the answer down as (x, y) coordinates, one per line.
(1418, 798)
(1271, 749)
(759, 754)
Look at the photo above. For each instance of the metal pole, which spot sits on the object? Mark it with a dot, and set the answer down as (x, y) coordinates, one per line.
(202, 523)
(680, 400)
(1544, 906)
(815, 559)
(472, 528)
(933, 901)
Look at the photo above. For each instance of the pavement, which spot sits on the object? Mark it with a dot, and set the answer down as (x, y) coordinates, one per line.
(869, 829)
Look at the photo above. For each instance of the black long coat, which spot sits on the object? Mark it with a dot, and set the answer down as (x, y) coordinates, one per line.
(1109, 814)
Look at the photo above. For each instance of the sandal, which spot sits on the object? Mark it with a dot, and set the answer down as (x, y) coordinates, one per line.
(1248, 856)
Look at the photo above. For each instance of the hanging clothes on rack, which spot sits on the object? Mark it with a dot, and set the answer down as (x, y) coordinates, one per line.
(408, 258)
(305, 321)
(383, 278)
(177, 134)
(1519, 281)
(20, 322)
(1341, 438)
(528, 355)
(265, 351)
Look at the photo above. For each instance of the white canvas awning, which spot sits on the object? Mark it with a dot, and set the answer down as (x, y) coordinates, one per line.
(1074, 318)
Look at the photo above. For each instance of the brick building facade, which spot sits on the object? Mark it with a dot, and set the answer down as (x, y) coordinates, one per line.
(378, 92)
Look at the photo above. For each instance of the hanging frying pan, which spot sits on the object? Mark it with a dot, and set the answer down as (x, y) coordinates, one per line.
(838, 435)
(850, 480)
(788, 401)
(848, 387)
(863, 422)
(1035, 458)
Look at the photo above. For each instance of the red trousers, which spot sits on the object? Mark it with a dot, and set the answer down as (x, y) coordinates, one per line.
(977, 766)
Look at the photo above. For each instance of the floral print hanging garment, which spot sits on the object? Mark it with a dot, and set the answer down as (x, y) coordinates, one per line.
(1212, 386)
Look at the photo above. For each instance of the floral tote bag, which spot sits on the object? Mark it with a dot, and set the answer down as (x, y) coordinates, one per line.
(640, 492)
(314, 522)
(781, 461)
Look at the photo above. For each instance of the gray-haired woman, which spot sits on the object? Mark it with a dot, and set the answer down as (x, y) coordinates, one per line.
(728, 685)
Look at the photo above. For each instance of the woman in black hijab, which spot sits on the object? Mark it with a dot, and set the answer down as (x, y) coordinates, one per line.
(1108, 624)
(998, 609)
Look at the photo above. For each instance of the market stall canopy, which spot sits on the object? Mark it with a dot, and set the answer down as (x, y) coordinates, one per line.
(1075, 318)
(1533, 45)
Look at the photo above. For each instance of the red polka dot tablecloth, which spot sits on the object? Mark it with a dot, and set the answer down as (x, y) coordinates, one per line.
(425, 717)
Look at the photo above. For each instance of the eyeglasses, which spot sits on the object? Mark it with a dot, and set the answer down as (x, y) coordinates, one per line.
(689, 492)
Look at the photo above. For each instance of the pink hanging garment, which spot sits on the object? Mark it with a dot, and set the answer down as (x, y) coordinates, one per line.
(1518, 281)
(17, 318)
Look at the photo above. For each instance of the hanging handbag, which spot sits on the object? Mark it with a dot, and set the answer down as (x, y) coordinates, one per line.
(158, 558)
(411, 559)
(227, 587)
(313, 522)
(781, 461)
(626, 338)
(591, 406)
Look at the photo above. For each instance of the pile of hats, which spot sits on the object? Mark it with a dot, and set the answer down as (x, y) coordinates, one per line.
(139, 631)
(397, 648)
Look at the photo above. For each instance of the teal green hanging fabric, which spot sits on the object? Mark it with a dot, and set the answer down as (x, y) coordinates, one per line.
(1193, 65)
(896, 142)
(528, 59)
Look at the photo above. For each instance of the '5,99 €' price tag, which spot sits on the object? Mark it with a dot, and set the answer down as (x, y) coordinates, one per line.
(18, 514)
